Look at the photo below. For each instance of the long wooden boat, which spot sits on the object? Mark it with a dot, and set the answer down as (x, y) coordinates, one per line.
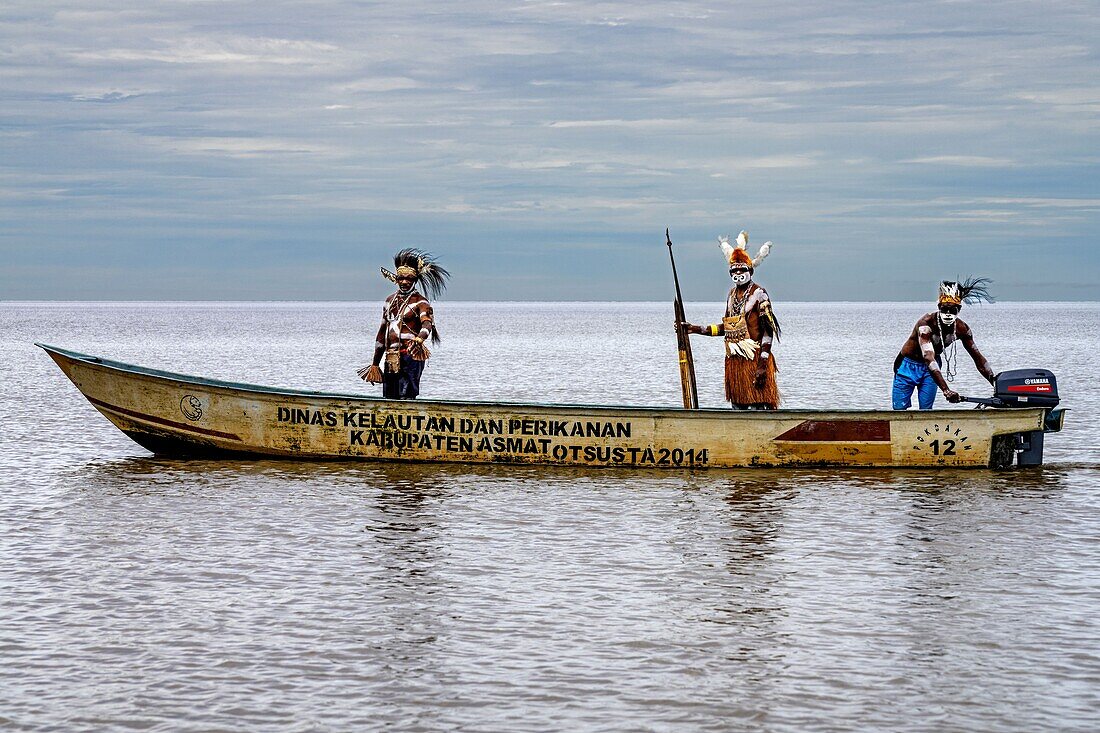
(174, 414)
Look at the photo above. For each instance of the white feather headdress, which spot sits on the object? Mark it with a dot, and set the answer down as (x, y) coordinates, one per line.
(739, 253)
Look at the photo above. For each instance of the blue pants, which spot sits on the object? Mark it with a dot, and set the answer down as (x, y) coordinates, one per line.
(405, 385)
(913, 374)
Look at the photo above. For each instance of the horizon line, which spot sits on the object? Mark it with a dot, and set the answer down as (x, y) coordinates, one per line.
(439, 300)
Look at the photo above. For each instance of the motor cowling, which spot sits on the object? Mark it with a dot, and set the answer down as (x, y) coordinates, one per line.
(1025, 388)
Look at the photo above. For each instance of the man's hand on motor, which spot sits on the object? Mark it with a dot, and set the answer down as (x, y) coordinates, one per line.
(952, 396)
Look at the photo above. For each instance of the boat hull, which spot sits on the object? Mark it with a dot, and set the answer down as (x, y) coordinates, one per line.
(173, 414)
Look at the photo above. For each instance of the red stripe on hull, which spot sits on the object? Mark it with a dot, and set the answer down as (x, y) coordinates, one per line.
(820, 431)
(162, 421)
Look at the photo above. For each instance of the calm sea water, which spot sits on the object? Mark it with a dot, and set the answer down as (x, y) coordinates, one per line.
(147, 594)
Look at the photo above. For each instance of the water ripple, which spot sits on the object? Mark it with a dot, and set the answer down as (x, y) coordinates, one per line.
(158, 595)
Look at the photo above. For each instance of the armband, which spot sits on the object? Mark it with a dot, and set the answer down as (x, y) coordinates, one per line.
(770, 323)
(712, 329)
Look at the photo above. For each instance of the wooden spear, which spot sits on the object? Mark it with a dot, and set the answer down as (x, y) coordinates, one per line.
(683, 344)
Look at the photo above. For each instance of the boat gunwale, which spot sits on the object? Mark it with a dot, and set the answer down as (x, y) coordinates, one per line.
(725, 413)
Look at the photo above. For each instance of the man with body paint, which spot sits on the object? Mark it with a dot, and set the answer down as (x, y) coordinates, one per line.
(918, 364)
(749, 329)
(407, 322)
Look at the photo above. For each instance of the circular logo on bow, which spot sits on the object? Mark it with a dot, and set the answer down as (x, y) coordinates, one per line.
(191, 407)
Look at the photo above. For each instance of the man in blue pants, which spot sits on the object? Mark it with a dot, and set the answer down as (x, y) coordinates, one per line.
(918, 364)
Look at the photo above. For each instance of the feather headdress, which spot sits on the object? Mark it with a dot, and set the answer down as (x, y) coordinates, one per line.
(739, 255)
(971, 290)
(423, 266)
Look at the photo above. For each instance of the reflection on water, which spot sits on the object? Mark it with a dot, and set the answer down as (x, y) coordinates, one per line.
(751, 601)
(175, 595)
(755, 516)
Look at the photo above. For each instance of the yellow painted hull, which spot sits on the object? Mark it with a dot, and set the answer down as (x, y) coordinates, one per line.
(180, 415)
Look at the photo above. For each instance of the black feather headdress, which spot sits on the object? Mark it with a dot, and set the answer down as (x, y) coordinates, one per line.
(429, 275)
(970, 290)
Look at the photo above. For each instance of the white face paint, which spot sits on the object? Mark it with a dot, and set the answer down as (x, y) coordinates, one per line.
(740, 278)
(948, 319)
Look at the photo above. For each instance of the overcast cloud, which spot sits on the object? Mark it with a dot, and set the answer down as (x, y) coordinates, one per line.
(284, 150)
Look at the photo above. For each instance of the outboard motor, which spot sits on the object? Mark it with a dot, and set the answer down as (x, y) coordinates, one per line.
(1020, 388)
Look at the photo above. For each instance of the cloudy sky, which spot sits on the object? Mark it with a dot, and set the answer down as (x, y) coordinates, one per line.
(282, 150)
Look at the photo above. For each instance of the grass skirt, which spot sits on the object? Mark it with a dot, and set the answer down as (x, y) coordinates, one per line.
(740, 386)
